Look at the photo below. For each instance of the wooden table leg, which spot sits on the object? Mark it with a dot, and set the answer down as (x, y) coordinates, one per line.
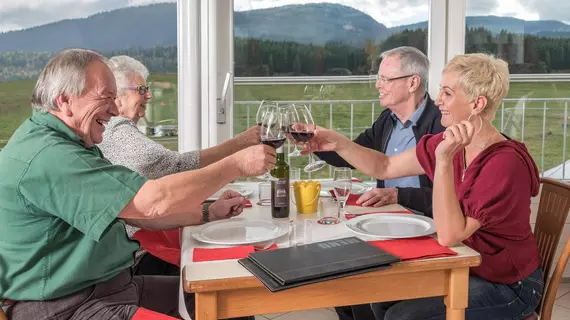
(456, 300)
(206, 306)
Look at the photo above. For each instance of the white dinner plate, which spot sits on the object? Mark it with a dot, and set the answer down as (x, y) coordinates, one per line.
(239, 231)
(357, 188)
(391, 225)
(240, 188)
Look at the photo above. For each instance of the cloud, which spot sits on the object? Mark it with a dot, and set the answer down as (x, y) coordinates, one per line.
(481, 7)
(16, 15)
(548, 9)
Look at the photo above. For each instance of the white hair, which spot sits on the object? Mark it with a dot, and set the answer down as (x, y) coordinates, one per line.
(64, 74)
(412, 61)
(124, 68)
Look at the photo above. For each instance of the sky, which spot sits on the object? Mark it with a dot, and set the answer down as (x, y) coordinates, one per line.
(20, 14)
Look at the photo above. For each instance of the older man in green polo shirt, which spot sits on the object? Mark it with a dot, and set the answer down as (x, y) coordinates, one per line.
(64, 252)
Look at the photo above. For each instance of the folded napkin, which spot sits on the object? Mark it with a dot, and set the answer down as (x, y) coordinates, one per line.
(164, 245)
(238, 252)
(354, 215)
(351, 201)
(414, 248)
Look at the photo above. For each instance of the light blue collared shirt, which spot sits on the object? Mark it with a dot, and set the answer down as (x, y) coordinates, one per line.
(401, 139)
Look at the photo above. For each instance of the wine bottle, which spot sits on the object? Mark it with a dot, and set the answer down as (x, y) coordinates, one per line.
(280, 188)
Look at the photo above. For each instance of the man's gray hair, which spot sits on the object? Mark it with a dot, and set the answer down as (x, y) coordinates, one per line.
(412, 61)
(124, 69)
(64, 74)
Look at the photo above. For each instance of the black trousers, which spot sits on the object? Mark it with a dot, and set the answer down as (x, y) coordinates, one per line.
(356, 312)
(151, 265)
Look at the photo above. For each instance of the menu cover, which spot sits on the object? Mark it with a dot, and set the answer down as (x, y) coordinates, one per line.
(320, 259)
(275, 286)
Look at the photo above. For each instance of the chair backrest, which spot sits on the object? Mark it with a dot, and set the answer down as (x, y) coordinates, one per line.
(3, 316)
(553, 210)
(551, 217)
(552, 288)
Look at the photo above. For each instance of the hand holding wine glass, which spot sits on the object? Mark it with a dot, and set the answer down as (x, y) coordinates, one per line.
(272, 134)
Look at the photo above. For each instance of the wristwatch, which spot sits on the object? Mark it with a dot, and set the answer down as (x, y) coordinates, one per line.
(206, 212)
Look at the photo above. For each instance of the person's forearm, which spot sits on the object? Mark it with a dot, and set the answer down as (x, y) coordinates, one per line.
(180, 193)
(369, 161)
(447, 215)
(168, 222)
(220, 151)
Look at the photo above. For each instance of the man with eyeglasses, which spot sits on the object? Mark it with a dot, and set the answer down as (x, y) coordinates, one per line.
(410, 113)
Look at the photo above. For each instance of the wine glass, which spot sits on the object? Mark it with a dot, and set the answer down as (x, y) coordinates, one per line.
(342, 185)
(301, 128)
(264, 107)
(289, 118)
(271, 133)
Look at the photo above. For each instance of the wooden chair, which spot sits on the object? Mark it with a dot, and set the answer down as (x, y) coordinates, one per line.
(553, 210)
(3, 316)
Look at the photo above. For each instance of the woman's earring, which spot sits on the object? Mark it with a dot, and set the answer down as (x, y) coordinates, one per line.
(480, 122)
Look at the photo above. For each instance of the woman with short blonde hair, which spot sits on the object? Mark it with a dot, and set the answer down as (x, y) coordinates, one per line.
(482, 185)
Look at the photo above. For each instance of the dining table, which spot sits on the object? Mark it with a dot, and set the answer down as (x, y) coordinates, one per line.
(225, 289)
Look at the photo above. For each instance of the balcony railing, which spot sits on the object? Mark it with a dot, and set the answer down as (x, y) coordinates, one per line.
(542, 124)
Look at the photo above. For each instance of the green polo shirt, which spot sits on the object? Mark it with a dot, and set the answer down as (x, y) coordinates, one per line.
(59, 203)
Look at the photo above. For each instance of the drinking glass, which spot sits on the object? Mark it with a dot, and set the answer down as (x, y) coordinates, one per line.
(342, 185)
(300, 232)
(301, 128)
(271, 133)
(264, 107)
(289, 116)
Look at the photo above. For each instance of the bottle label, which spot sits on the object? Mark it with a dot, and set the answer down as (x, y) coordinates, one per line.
(279, 150)
(281, 193)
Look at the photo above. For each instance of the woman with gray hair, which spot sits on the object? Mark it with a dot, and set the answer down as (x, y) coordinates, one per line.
(125, 145)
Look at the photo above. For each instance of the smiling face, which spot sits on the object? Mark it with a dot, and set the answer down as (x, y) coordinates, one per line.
(88, 113)
(132, 104)
(392, 91)
(451, 100)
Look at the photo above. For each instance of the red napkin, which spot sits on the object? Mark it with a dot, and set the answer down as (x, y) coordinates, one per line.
(212, 254)
(146, 314)
(354, 215)
(164, 245)
(414, 248)
(351, 201)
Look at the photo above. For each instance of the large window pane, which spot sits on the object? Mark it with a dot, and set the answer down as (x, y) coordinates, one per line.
(534, 38)
(280, 50)
(30, 35)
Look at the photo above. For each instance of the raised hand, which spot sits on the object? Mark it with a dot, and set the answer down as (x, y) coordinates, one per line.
(455, 139)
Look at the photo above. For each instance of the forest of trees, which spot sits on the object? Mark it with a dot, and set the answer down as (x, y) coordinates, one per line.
(253, 57)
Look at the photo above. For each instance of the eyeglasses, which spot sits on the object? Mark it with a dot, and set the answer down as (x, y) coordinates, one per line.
(141, 89)
(388, 80)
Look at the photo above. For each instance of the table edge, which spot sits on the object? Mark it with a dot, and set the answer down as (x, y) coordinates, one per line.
(397, 268)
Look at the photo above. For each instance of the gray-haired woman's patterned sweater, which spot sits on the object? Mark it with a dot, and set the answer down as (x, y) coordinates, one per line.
(125, 145)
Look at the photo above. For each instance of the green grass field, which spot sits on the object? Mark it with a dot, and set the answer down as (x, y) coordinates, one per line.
(15, 107)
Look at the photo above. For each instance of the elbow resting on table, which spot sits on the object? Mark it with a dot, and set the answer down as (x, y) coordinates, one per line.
(449, 240)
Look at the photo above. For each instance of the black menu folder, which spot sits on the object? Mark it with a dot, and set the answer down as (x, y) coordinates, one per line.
(291, 267)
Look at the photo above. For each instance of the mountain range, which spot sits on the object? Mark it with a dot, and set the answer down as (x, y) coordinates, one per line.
(155, 25)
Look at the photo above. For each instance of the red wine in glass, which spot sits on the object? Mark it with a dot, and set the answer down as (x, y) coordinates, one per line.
(273, 142)
(301, 136)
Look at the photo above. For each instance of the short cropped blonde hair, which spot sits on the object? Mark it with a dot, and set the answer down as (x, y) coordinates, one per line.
(481, 75)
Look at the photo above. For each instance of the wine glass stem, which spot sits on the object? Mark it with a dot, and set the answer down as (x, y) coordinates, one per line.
(341, 207)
